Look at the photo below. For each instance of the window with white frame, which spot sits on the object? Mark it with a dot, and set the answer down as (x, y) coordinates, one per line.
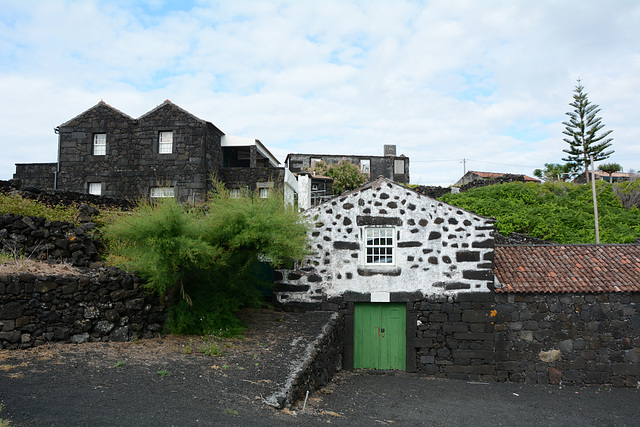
(263, 193)
(99, 144)
(165, 144)
(158, 192)
(234, 193)
(95, 188)
(365, 165)
(379, 246)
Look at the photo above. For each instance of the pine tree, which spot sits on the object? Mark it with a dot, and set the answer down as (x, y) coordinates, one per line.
(582, 129)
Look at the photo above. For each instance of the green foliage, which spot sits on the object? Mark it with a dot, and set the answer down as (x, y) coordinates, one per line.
(610, 168)
(213, 310)
(346, 176)
(628, 187)
(583, 130)
(556, 172)
(26, 207)
(210, 255)
(556, 211)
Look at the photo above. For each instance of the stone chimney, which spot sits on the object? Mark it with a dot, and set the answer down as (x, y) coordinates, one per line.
(390, 150)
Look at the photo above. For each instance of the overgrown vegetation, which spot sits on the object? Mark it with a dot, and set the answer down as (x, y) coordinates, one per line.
(26, 207)
(346, 176)
(556, 211)
(205, 261)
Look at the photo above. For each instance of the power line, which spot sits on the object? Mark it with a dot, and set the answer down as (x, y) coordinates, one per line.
(471, 160)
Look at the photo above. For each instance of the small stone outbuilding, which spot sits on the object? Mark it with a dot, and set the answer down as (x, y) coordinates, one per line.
(378, 251)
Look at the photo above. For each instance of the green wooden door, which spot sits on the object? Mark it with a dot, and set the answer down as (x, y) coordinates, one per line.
(379, 340)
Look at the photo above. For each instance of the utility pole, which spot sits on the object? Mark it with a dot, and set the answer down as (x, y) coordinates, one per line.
(595, 201)
(464, 167)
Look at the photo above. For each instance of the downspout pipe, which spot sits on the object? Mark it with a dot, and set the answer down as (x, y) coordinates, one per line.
(56, 130)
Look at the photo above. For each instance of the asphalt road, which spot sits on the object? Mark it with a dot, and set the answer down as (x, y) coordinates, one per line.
(408, 399)
(133, 397)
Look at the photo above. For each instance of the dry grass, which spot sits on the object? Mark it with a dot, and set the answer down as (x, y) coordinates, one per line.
(25, 265)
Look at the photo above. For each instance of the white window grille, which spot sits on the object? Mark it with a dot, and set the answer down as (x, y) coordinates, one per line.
(158, 192)
(379, 246)
(165, 144)
(99, 144)
(234, 193)
(95, 188)
(263, 193)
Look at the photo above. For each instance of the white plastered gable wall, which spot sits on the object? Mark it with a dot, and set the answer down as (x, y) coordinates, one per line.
(439, 248)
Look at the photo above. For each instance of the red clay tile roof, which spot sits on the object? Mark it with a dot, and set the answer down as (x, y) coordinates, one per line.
(567, 268)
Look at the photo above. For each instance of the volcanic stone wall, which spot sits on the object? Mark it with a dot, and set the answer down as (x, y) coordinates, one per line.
(453, 336)
(568, 338)
(62, 198)
(439, 249)
(101, 305)
(38, 175)
(322, 363)
(250, 177)
(52, 241)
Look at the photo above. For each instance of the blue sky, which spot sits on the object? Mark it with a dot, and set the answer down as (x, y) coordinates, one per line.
(486, 81)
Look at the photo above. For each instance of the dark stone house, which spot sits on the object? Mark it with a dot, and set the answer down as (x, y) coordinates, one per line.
(167, 152)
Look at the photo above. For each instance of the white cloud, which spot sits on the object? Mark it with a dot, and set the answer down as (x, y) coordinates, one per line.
(484, 81)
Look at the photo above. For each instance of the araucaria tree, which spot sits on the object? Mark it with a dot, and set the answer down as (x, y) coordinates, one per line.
(583, 129)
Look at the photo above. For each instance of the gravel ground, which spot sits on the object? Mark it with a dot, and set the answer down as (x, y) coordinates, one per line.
(172, 382)
(168, 381)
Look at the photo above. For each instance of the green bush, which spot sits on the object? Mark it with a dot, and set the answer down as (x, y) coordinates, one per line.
(202, 261)
(556, 211)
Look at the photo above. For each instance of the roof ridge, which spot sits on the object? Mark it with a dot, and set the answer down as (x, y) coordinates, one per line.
(99, 104)
(168, 102)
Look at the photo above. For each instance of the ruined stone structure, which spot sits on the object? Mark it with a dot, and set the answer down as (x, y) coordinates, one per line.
(167, 152)
(315, 189)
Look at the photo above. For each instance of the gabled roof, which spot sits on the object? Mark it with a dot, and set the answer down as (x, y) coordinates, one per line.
(167, 102)
(380, 181)
(567, 269)
(493, 175)
(98, 105)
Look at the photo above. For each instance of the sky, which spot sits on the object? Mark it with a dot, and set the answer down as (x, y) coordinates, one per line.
(455, 85)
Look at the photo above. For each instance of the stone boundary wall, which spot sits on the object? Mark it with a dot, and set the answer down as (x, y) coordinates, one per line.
(326, 360)
(322, 360)
(40, 175)
(51, 241)
(63, 198)
(453, 336)
(102, 305)
(568, 338)
(436, 192)
(579, 339)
